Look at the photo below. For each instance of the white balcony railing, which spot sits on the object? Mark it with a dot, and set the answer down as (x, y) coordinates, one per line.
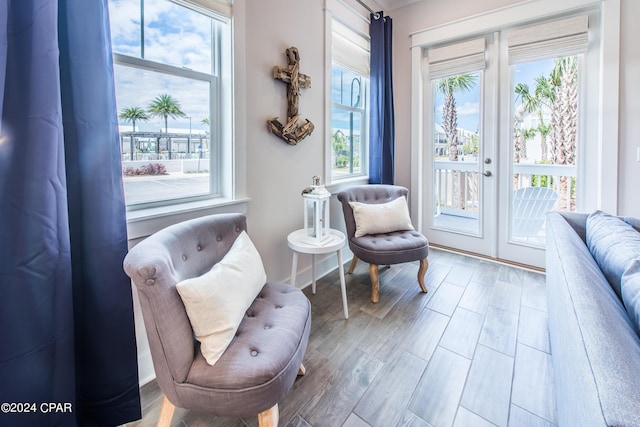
(457, 185)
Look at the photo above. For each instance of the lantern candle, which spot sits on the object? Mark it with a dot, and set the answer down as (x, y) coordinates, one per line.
(316, 213)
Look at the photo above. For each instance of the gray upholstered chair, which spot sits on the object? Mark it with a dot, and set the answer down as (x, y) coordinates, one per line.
(261, 363)
(382, 249)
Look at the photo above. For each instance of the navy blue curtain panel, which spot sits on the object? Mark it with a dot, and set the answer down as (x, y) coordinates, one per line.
(67, 339)
(382, 123)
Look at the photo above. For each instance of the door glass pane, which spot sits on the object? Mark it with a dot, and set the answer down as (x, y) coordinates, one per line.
(544, 142)
(457, 148)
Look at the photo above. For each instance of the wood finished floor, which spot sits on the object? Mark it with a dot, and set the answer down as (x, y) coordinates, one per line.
(473, 351)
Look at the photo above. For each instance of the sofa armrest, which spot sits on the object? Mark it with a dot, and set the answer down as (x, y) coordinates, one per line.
(577, 221)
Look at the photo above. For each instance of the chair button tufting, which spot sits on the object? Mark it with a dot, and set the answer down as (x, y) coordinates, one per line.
(267, 327)
(219, 238)
(254, 353)
(238, 229)
(184, 257)
(150, 282)
(198, 248)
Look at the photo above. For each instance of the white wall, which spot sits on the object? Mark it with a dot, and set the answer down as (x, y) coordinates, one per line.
(277, 172)
(427, 14)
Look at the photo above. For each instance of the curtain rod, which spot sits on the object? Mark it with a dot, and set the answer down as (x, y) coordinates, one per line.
(363, 4)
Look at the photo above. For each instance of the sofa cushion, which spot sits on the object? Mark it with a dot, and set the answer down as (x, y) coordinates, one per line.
(217, 301)
(381, 217)
(614, 245)
(631, 293)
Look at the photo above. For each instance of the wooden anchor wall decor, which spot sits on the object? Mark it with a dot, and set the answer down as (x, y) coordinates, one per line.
(290, 132)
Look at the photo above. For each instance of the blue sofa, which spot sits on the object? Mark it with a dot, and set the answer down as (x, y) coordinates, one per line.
(594, 344)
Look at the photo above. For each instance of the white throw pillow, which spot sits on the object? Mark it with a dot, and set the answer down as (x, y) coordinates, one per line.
(381, 218)
(217, 301)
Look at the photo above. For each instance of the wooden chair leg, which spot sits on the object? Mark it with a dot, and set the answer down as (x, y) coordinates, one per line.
(302, 370)
(375, 282)
(424, 265)
(270, 417)
(166, 413)
(352, 267)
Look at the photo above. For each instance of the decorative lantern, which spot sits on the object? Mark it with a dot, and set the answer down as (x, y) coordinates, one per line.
(316, 213)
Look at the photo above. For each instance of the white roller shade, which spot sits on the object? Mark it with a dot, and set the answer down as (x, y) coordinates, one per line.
(564, 37)
(223, 7)
(456, 58)
(349, 49)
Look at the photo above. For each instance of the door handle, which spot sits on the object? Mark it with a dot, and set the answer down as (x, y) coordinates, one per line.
(487, 173)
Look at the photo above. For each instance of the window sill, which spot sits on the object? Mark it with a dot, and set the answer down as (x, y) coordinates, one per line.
(339, 185)
(144, 222)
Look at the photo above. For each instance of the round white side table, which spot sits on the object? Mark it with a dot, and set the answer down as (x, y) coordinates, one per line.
(335, 243)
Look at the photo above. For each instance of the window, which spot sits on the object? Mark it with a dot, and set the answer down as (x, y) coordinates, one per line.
(349, 102)
(172, 68)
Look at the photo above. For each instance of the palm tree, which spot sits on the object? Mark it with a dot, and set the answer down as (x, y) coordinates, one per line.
(527, 135)
(542, 97)
(449, 86)
(564, 119)
(131, 114)
(165, 106)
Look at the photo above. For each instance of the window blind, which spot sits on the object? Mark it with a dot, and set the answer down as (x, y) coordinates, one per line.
(223, 7)
(456, 58)
(349, 49)
(564, 37)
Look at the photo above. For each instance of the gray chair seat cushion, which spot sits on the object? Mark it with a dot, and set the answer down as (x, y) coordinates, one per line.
(390, 248)
(261, 362)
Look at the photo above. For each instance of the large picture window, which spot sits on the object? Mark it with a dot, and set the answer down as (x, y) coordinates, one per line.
(349, 102)
(171, 60)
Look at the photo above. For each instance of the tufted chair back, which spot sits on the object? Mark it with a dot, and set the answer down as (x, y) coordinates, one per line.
(178, 252)
(373, 194)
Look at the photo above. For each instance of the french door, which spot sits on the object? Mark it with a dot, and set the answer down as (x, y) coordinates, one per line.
(503, 137)
(460, 144)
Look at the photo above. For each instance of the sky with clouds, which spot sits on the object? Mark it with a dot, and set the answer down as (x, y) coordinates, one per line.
(173, 35)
